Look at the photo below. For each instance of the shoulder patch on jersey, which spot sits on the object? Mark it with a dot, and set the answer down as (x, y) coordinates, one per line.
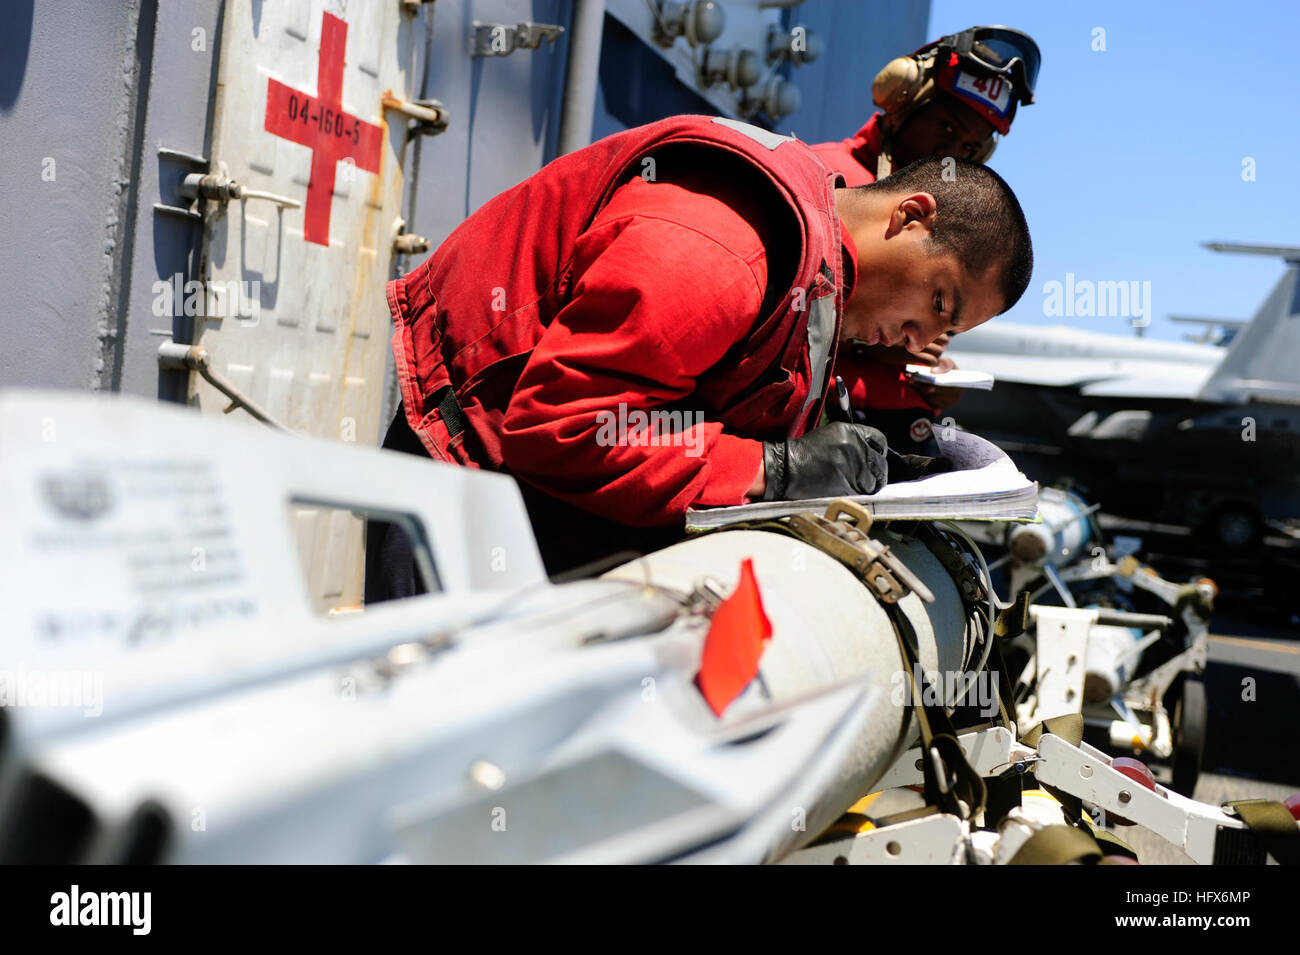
(764, 137)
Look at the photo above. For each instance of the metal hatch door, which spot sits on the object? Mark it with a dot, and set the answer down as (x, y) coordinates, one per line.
(302, 325)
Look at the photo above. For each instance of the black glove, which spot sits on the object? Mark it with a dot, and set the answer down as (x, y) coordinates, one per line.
(909, 467)
(833, 461)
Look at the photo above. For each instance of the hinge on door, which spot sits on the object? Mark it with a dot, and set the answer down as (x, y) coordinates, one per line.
(186, 160)
(502, 39)
(211, 184)
(222, 188)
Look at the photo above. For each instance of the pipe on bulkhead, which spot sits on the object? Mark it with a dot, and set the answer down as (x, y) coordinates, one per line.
(581, 75)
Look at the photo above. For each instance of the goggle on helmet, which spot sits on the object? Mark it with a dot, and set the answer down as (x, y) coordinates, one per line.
(990, 69)
(998, 51)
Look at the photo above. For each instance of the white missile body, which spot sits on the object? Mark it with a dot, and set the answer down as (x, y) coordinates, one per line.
(524, 722)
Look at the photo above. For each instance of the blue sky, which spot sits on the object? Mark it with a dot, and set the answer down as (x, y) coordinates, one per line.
(1132, 156)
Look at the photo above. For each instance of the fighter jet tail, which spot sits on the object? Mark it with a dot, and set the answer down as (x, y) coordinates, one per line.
(1263, 362)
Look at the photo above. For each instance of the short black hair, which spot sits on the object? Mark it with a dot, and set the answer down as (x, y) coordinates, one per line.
(977, 217)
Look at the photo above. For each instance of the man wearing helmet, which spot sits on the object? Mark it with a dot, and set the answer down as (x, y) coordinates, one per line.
(949, 98)
(952, 97)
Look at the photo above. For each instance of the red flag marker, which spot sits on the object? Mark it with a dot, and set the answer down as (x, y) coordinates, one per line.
(737, 635)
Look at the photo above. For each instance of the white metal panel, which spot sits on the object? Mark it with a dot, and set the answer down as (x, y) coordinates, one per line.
(142, 533)
(300, 114)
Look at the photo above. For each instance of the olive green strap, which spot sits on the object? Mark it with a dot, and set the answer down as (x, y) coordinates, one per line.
(939, 744)
(1068, 727)
(1057, 845)
(997, 665)
(1113, 845)
(1272, 823)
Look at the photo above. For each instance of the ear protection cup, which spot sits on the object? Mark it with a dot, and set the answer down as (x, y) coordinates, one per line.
(897, 84)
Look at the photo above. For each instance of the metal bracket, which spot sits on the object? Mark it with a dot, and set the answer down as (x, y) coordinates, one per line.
(1061, 644)
(176, 211)
(1086, 772)
(989, 751)
(431, 115)
(179, 356)
(937, 839)
(1194, 613)
(212, 183)
(502, 39)
(1150, 688)
(879, 567)
(184, 159)
(177, 155)
(408, 243)
(222, 188)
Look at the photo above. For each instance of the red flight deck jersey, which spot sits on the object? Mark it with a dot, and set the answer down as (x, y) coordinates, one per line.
(854, 158)
(696, 265)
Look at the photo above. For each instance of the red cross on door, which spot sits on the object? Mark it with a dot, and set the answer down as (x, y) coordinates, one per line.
(320, 123)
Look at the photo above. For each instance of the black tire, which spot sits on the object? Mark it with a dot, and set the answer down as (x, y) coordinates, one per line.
(1191, 715)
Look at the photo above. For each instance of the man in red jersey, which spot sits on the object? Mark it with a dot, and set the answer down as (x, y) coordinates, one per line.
(648, 325)
(949, 98)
